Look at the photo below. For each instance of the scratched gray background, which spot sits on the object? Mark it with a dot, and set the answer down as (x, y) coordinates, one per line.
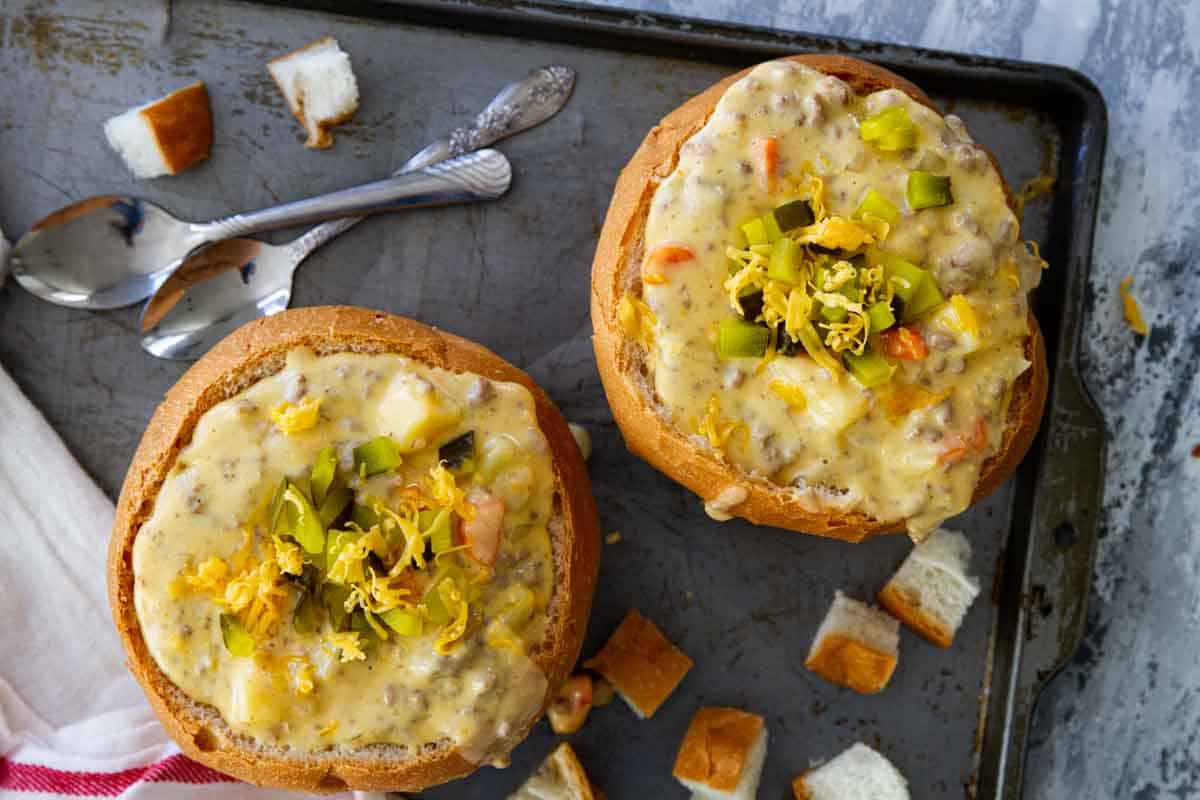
(513, 275)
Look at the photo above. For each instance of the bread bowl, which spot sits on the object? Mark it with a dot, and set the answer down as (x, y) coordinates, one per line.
(738, 402)
(317, 699)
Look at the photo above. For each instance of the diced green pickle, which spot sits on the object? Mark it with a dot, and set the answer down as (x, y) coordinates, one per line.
(881, 317)
(870, 369)
(756, 232)
(323, 473)
(926, 190)
(237, 639)
(879, 206)
(889, 130)
(783, 264)
(796, 214)
(381, 454)
(402, 621)
(737, 338)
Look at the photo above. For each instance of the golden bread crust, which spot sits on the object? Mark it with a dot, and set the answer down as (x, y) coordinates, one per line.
(616, 270)
(571, 767)
(716, 746)
(249, 354)
(642, 665)
(908, 610)
(800, 788)
(182, 125)
(848, 662)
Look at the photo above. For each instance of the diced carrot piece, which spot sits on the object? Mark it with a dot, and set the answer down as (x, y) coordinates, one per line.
(770, 157)
(904, 343)
(671, 254)
(962, 446)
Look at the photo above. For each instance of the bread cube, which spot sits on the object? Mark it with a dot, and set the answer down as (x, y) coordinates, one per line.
(722, 755)
(859, 773)
(856, 646)
(166, 136)
(641, 664)
(320, 88)
(931, 592)
(559, 777)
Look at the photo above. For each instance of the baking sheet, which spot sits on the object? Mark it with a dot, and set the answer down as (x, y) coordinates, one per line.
(743, 602)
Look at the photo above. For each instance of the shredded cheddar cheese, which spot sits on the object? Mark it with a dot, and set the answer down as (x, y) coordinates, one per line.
(210, 577)
(1133, 312)
(1011, 274)
(288, 557)
(348, 645)
(292, 419)
(350, 566)
(713, 427)
(792, 394)
(302, 674)
(967, 320)
(637, 320)
(456, 604)
(1033, 188)
(836, 233)
(445, 492)
(904, 397)
(330, 729)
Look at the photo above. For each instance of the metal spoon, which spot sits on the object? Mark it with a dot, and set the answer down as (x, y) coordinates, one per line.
(113, 251)
(228, 284)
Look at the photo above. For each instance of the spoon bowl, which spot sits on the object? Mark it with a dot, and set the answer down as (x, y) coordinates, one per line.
(219, 289)
(113, 251)
(103, 252)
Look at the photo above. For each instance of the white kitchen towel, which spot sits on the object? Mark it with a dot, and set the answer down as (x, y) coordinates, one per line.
(73, 722)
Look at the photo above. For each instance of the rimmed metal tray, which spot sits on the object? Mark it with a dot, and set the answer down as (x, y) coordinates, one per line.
(743, 602)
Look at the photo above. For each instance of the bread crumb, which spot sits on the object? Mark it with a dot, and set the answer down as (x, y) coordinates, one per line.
(582, 439)
(613, 537)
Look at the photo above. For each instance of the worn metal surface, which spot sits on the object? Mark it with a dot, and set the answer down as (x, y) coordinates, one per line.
(743, 602)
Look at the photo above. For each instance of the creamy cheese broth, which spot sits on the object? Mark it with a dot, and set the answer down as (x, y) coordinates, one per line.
(403, 692)
(841, 450)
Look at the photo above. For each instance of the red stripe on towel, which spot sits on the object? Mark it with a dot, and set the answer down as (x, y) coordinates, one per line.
(36, 778)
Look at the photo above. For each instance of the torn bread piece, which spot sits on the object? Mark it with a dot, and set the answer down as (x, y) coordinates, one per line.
(722, 754)
(641, 664)
(318, 83)
(858, 773)
(559, 777)
(856, 646)
(166, 136)
(932, 590)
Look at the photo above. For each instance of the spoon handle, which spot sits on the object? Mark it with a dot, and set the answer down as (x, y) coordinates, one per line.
(483, 175)
(518, 107)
